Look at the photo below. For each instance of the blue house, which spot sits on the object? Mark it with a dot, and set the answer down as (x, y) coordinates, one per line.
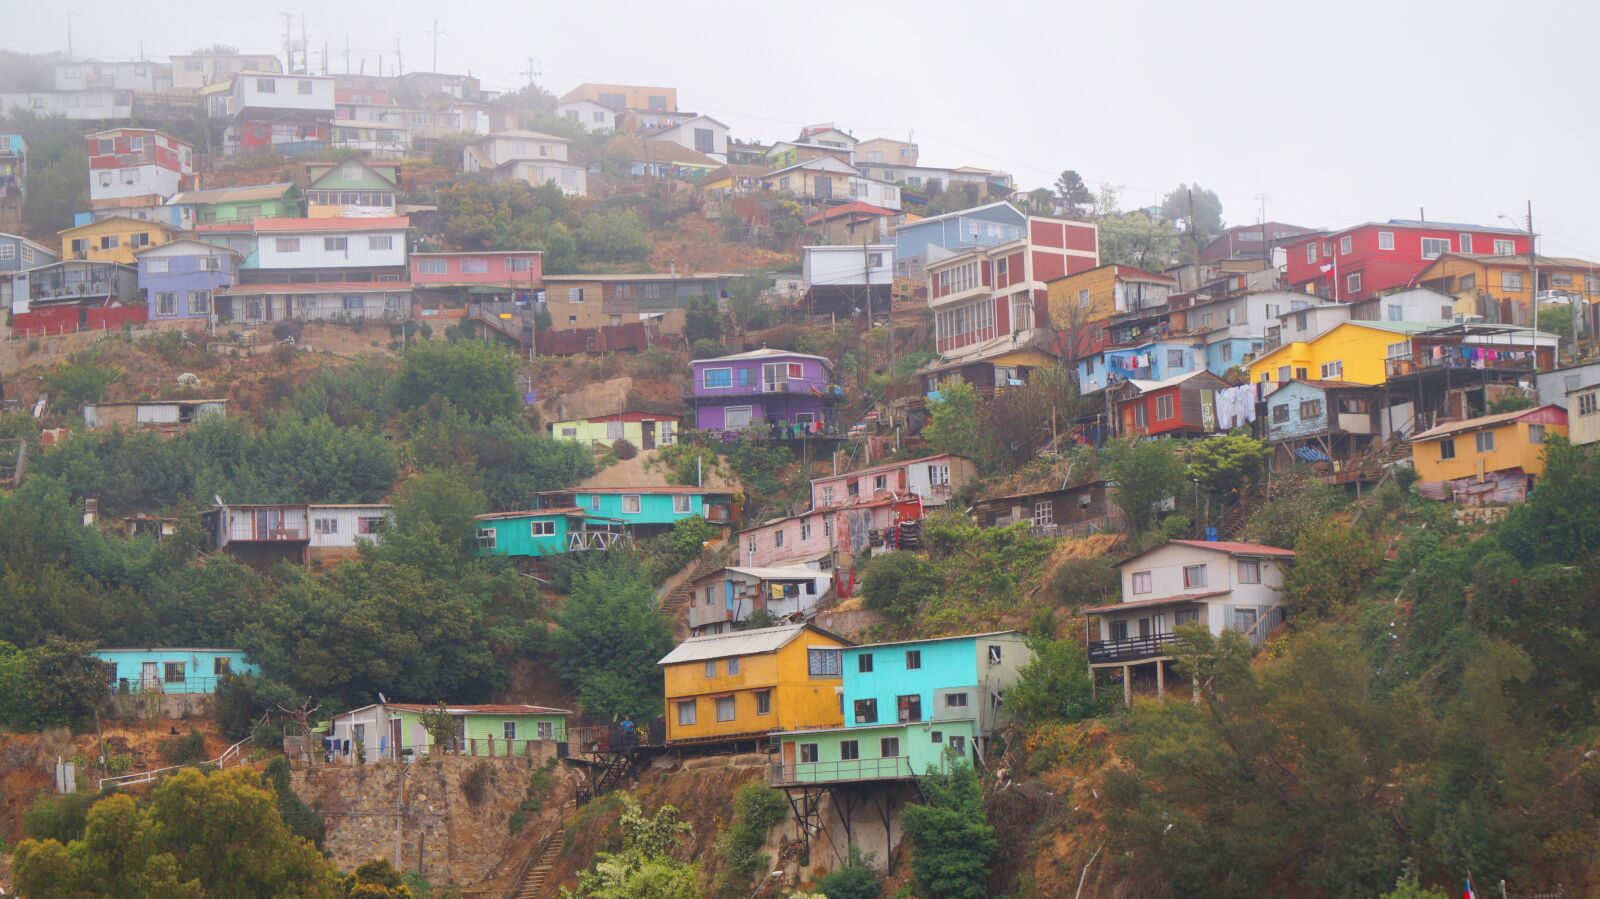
(179, 278)
(909, 705)
(981, 226)
(20, 254)
(175, 670)
(546, 532)
(1153, 360)
(644, 510)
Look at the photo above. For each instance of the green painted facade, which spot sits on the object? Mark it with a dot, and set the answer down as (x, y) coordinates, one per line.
(859, 753)
(653, 508)
(351, 174)
(484, 733)
(285, 206)
(524, 534)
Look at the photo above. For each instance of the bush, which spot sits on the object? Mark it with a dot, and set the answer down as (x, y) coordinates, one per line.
(622, 449)
(756, 808)
(299, 817)
(287, 330)
(476, 782)
(189, 749)
(1079, 582)
(855, 879)
(707, 349)
(898, 586)
(59, 818)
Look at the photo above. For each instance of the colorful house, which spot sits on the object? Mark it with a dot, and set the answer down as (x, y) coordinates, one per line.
(1329, 424)
(238, 204)
(1500, 288)
(547, 532)
(62, 297)
(18, 253)
(645, 430)
(721, 599)
(115, 239)
(1181, 405)
(353, 188)
(646, 510)
(1583, 407)
(1493, 458)
(266, 533)
(909, 706)
(932, 479)
(180, 278)
(172, 670)
(128, 163)
(765, 392)
(1217, 585)
(393, 731)
(747, 684)
(1365, 260)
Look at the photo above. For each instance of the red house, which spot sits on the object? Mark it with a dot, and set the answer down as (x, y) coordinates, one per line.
(142, 163)
(1363, 261)
(1172, 406)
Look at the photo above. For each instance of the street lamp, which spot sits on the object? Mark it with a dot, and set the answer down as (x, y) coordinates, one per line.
(763, 882)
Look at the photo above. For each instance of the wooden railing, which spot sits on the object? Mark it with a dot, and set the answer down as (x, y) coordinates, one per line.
(1130, 649)
(852, 769)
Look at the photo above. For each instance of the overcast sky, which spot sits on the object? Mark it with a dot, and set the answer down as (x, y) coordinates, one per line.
(1338, 113)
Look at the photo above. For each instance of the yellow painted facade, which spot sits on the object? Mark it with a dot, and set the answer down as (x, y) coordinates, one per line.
(1360, 350)
(1084, 297)
(114, 239)
(796, 699)
(1458, 455)
(586, 431)
(1507, 278)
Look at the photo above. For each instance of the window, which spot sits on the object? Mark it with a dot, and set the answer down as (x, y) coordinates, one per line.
(725, 708)
(1511, 281)
(630, 504)
(1183, 617)
(889, 748)
(955, 700)
(849, 750)
(152, 266)
(1447, 449)
(1332, 371)
(1434, 247)
(686, 713)
(763, 702)
(486, 538)
(1141, 582)
(386, 242)
(1385, 240)
(326, 525)
(541, 529)
(937, 737)
(109, 242)
(1561, 279)
(711, 668)
(1119, 630)
(1464, 241)
(354, 304)
(1311, 252)
(824, 662)
(733, 667)
(1352, 282)
(866, 711)
(939, 475)
(477, 267)
(1194, 576)
(1163, 407)
(335, 244)
(174, 672)
(1588, 403)
(287, 244)
(808, 752)
(717, 377)
(1485, 441)
(613, 430)
(1280, 414)
(1083, 299)
(805, 529)
(432, 266)
(1505, 248)
(1345, 245)
(913, 659)
(1249, 571)
(210, 263)
(369, 524)
(1227, 352)
(777, 538)
(221, 665)
(305, 86)
(266, 86)
(681, 503)
(864, 663)
(166, 303)
(1310, 410)
(1283, 373)
(1394, 313)
(995, 653)
(1535, 433)
(1175, 358)
(958, 745)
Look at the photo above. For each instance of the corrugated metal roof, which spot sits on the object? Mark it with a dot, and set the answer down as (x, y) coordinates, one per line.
(1146, 603)
(778, 573)
(736, 643)
(492, 709)
(1488, 421)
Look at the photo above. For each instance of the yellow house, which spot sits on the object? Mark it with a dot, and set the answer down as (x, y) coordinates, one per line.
(1106, 290)
(745, 684)
(115, 239)
(1499, 287)
(1478, 447)
(1354, 352)
(645, 430)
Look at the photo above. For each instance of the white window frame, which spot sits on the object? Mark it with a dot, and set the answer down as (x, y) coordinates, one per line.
(1505, 248)
(1333, 371)
(1346, 245)
(1195, 576)
(705, 379)
(1386, 240)
(1464, 242)
(1435, 241)
(726, 703)
(1483, 441)
(682, 503)
(638, 504)
(687, 713)
(1249, 571)
(1352, 283)
(541, 529)
(1141, 582)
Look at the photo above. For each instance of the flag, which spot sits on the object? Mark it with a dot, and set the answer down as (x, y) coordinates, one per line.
(1468, 892)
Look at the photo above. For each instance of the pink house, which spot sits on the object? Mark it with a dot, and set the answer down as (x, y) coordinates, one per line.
(511, 268)
(932, 479)
(794, 539)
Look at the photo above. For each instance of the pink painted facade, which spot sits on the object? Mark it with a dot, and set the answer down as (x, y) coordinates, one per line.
(933, 479)
(806, 536)
(514, 268)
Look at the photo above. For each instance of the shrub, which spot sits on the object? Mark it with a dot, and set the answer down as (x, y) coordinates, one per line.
(300, 818)
(855, 879)
(898, 585)
(59, 818)
(756, 808)
(1078, 582)
(707, 349)
(287, 330)
(189, 749)
(622, 449)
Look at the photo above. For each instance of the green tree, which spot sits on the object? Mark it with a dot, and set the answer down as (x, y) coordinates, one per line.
(609, 639)
(1146, 473)
(644, 868)
(437, 506)
(80, 381)
(855, 879)
(1055, 686)
(477, 378)
(1073, 194)
(899, 586)
(1137, 239)
(54, 684)
(952, 840)
(1193, 203)
(613, 236)
(702, 321)
(376, 879)
(954, 425)
(1226, 465)
(756, 809)
(1332, 566)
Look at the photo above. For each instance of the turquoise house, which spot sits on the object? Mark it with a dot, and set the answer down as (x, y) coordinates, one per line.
(175, 670)
(546, 532)
(645, 510)
(909, 706)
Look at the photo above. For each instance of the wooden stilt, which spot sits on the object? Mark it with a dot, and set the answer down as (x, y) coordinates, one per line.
(1161, 678)
(1127, 685)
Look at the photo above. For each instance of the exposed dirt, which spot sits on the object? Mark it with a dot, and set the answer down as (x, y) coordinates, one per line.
(695, 244)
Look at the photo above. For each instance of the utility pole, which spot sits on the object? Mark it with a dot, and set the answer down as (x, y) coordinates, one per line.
(305, 47)
(70, 17)
(435, 32)
(531, 72)
(347, 54)
(288, 42)
(1533, 290)
(1194, 236)
(399, 63)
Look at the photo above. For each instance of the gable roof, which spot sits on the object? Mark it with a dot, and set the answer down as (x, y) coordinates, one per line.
(1144, 386)
(1232, 548)
(523, 135)
(853, 207)
(1490, 421)
(652, 150)
(823, 163)
(960, 213)
(938, 639)
(740, 643)
(122, 218)
(335, 224)
(371, 171)
(490, 709)
(231, 194)
(886, 466)
(171, 248)
(692, 118)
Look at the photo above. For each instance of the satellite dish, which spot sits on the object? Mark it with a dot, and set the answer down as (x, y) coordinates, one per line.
(383, 699)
(218, 498)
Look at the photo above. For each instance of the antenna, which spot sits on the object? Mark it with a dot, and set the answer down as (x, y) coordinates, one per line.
(531, 72)
(435, 32)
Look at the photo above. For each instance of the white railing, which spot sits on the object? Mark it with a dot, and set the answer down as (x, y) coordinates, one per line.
(231, 754)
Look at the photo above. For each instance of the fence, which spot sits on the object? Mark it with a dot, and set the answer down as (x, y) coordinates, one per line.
(232, 755)
(130, 686)
(344, 752)
(853, 769)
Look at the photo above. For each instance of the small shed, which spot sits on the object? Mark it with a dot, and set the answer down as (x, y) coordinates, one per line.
(723, 598)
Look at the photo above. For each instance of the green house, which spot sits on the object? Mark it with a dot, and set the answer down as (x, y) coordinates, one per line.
(873, 752)
(393, 731)
(355, 187)
(546, 532)
(645, 510)
(240, 204)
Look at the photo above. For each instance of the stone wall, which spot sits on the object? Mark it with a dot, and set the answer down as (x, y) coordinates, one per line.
(420, 816)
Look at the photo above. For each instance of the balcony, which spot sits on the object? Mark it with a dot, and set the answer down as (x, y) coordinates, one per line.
(1131, 649)
(896, 768)
(1401, 366)
(798, 387)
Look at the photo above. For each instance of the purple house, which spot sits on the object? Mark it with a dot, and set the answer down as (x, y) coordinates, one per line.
(179, 278)
(766, 393)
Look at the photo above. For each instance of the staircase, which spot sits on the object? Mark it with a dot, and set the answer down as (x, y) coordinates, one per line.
(676, 597)
(516, 329)
(531, 881)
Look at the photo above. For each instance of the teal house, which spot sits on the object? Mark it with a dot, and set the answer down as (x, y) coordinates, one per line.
(174, 670)
(645, 510)
(546, 532)
(909, 707)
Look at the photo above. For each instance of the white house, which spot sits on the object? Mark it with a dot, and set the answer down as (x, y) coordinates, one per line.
(254, 91)
(878, 193)
(1218, 585)
(90, 74)
(589, 115)
(702, 134)
(340, 529)
(526, 156)
(847, 266)
(719, 600)
(827, 135)
(94, 105)
(331, 243)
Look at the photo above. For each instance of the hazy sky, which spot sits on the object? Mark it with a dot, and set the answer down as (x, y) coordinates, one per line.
(1337, 112)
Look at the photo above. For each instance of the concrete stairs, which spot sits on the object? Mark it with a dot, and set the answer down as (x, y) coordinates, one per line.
(676, 594)
(533, 881)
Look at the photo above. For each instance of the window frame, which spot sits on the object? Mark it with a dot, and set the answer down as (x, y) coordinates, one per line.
(1249, 571)
(1196, 575)
(1144, 578)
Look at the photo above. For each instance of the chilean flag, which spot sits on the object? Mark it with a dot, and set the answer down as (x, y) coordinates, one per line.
(1469, 893)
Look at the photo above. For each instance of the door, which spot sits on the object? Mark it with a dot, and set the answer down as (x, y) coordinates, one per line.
(648, 430)
(394, 738)
(150, 676)
(788, 760)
